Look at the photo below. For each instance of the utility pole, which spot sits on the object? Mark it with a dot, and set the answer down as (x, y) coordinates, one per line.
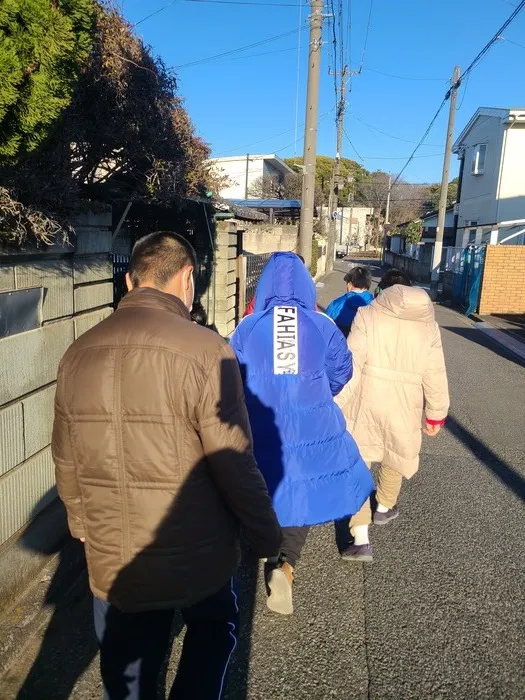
(387, 216)
(247, 174)
(389, 192)
(334, 191)
(306, 228)
(438, 247)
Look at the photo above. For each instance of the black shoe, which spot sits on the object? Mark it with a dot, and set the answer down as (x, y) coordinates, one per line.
(358, 552)
(385, 518)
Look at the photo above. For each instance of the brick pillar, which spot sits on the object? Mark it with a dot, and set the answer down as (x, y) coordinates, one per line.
(224, 285)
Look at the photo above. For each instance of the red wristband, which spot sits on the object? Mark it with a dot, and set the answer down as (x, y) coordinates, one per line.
(436, 422)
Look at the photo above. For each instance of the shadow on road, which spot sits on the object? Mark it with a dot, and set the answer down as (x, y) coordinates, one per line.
(504, 471)
(477, 336)
(69, 644)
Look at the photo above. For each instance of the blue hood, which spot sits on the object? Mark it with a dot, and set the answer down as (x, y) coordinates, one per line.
(354, 300)
(344, 309)
(285, 280)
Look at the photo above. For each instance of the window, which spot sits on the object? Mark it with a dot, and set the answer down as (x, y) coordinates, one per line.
(479, 156)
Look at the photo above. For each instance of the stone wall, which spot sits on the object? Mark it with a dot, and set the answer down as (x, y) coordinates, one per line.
(77, 292)
(269, 238)
(502, 290)
(224, 285)
(417, 270)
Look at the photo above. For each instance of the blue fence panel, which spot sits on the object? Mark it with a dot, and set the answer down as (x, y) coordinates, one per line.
(476, 275)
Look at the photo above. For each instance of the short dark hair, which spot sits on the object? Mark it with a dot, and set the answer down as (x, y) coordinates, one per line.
(392, 277)
(360, 277)
(158, 257)
(198, 314)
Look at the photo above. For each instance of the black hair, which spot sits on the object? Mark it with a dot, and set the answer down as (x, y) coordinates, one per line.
(359, 277)
(158, 257)
(393, 277)
(198, 314)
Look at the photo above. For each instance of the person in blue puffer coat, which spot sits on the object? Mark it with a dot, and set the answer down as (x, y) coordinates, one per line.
(294, 360)
(344, 309)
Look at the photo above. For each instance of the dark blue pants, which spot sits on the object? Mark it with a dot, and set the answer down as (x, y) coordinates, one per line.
(134, 646)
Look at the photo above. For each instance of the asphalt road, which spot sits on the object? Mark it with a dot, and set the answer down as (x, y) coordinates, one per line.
(439, 614)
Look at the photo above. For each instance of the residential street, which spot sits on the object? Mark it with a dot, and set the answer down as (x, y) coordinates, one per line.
(438, 615)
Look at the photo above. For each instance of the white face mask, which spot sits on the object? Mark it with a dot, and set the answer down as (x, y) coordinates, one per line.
(192, 297)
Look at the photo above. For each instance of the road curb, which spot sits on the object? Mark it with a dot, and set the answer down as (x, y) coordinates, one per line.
(501, 338)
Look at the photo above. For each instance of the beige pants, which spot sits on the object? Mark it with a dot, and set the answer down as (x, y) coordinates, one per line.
(388, 488)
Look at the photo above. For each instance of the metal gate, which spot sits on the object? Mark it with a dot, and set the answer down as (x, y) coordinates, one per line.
(255, 264)
(120, 267)
(467, 286)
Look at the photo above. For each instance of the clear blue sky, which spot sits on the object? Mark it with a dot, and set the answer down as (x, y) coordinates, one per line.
(245, 102)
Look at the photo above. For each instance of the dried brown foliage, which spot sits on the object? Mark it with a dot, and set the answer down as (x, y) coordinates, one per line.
(126, 134)
(18, 223)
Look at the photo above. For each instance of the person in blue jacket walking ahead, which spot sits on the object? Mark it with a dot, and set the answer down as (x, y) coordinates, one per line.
(294, 360)
(343, 309)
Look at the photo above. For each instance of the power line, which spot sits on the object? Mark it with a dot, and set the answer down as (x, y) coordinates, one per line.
(321, 119)
(353, 147)
(334, 50)
(366, 35)
(340, 14)
(274, 136)
(391, 136)
(466, 74)
(428, 155)
(422, 139)
(401, 77)
(217, 2)
(512, 42)
(491, 41)
(298, 75)
(237, 50)
(349, 34)
(256, 55)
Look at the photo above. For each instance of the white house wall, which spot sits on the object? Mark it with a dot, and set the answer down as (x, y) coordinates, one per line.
(511, 195)
(478, 192)
(235, 170)
(431, 221)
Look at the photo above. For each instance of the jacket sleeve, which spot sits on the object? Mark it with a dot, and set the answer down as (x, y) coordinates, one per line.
(357, 343)
(338, 360)
(226, 438)
(334, 309)
(65, 470)
(435, 384)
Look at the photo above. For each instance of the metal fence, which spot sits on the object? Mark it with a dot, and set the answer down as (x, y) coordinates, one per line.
(452, 260)
(467, 284)
(255, 264)
(120, 267)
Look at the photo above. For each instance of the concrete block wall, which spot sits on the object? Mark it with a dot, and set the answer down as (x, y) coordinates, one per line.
(502, 290)
(77, 294)
(223, 292)
(259, 239)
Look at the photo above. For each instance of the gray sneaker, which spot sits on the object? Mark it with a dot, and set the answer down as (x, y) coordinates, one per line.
(358, 552)
(385, 518)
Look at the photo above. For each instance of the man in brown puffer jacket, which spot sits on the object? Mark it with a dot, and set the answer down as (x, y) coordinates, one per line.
(154, 463)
